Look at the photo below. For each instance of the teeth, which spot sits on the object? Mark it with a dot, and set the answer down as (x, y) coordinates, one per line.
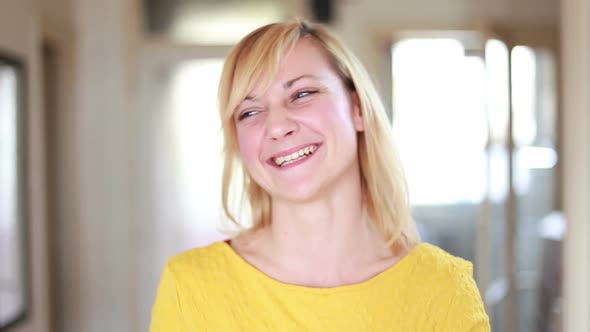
(281, 161)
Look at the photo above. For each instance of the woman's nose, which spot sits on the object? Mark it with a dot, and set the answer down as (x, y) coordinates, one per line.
(279, 124)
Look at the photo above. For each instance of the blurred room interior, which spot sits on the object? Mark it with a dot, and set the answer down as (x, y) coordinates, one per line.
(110, 145)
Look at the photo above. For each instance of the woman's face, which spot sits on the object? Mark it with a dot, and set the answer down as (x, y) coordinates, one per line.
(299, 138)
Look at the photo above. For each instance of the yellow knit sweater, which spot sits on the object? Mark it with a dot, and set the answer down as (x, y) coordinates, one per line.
(214, 289)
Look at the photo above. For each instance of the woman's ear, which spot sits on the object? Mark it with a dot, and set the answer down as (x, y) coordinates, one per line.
(356, 114)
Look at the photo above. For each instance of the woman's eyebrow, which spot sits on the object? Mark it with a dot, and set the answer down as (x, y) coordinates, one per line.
(286, 85)
(289, 83)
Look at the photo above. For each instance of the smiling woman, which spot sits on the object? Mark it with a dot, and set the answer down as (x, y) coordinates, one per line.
(305, 106)
(332, 246)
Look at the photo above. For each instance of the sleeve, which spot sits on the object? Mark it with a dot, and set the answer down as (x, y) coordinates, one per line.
(466, 311)
(166, 311)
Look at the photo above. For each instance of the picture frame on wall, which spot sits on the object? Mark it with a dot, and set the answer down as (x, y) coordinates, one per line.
(14, 258)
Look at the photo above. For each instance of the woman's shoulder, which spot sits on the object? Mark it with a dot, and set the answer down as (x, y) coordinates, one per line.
(449, 279)
(448, 282)
(434, 266)
(439, 263)
(207, 259)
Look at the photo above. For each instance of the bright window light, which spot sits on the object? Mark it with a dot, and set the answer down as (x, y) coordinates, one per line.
(197, 144)
(537, 157)
(498, 112)
(12, 299)
(524, 95)
(222, 23)
(440, 121)
(496, 54)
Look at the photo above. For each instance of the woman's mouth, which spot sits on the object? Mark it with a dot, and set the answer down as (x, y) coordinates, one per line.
(298, 155)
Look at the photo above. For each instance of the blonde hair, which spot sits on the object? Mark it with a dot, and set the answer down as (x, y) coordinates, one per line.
(256, 59)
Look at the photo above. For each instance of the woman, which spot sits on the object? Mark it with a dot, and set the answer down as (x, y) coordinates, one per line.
(332, 246)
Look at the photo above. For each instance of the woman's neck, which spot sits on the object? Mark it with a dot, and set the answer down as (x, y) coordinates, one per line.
(330, 236)
(321, 242)
(335, 223)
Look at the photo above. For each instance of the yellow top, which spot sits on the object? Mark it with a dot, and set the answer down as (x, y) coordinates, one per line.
(214, 289)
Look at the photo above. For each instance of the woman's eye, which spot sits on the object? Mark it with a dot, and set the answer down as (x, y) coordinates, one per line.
(302, 94)
(247, 114)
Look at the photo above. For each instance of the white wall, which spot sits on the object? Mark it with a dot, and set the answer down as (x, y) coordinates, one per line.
(451, 13)
(106, 202)
(576, 156)
(62, 118)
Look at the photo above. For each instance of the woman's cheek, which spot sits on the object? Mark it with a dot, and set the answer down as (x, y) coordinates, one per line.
(337, 115)
(248, 147)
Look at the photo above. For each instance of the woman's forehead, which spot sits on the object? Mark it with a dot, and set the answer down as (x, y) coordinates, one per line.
(305, 61)
(306, 54)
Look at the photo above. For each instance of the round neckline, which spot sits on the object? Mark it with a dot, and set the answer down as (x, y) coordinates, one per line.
(254, 271)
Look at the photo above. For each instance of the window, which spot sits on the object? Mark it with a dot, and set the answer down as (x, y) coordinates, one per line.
(13, 277)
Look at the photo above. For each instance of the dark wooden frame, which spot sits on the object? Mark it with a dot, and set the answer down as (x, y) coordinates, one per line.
(21, 194)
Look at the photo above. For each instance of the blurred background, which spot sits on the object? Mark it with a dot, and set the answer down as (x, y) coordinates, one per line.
(110, 145)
